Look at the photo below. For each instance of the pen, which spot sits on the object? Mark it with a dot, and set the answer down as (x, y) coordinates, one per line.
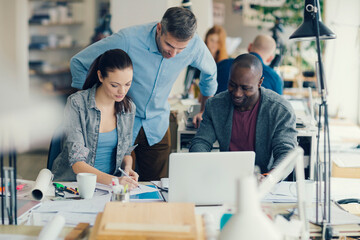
(66, 189)
(70, 190)
(127, 175)
(75, 190)
(123, 172)
(161, 188)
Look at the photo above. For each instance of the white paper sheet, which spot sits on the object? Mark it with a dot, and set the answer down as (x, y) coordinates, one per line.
(347, 159)
(93, 205)
(342, 188)
(142, 189)
(74, 211)
(71, 219)
(16, 237)
(338, 216)
(286, 192)
(156, 183)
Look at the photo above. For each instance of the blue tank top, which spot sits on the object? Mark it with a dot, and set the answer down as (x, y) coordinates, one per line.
(106, 152)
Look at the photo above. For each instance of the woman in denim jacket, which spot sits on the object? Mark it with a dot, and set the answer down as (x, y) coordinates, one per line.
(99, 122)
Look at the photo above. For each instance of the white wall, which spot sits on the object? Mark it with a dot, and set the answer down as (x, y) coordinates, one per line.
(14, 45)
(128, 13)
(85, 12)
(342, 59)
(235, 27)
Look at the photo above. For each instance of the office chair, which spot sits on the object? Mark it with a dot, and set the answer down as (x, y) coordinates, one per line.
(223, 73)
(55, 147)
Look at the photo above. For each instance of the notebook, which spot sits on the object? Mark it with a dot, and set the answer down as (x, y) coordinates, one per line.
(207, 178)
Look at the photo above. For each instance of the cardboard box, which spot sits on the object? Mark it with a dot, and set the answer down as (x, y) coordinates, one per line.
(345, 172)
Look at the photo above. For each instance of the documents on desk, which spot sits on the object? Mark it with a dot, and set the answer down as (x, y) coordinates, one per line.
(146, 194)
(17, 237)
(93, 205)
(347, 159)
(338, 216)
(76, 211)
(142, 189)
(282, 192)
(341, 188)
(344, 137)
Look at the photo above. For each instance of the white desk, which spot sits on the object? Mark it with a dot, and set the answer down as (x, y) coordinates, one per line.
(270, 208)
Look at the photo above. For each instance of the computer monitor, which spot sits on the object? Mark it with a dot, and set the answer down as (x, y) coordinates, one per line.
(191, 74)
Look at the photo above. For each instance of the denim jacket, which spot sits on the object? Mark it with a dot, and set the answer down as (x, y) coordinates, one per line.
(81, 133)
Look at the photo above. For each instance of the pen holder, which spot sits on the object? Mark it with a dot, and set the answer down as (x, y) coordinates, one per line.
(121, 197)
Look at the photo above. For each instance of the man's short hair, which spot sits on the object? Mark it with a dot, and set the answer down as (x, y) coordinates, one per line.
(179, 22)
(248, 61)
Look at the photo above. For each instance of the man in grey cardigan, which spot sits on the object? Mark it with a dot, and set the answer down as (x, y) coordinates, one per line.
(248, 117)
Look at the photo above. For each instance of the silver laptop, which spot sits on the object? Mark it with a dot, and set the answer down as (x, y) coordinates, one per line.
(207, 178)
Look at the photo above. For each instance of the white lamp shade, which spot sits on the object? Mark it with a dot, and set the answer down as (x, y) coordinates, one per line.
(249, 222)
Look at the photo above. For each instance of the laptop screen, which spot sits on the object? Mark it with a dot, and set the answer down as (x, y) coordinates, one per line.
(207, 178)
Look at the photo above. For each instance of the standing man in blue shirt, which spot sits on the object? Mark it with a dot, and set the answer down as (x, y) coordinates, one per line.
(263, 48)
(159, 51)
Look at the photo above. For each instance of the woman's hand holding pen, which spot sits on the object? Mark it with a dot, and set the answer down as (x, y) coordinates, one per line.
(128, 181)
(131, 173)
(130, 178)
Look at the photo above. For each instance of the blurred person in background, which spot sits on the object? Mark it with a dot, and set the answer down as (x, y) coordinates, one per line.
(215, 40)
(263, 47)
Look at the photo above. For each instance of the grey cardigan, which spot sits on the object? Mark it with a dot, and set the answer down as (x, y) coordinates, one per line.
(275, 133)
(81, 133)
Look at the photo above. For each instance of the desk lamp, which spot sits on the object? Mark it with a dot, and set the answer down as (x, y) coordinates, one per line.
(294, 159)
(312, 28)
(249, 213)
(249, 221)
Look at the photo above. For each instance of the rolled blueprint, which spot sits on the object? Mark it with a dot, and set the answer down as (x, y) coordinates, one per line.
(53, 228)
(42, 184)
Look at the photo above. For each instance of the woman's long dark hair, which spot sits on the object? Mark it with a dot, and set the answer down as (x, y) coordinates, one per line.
(107, 62)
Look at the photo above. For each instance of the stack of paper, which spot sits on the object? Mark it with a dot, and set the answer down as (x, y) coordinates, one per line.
(286, 192)
(74, 211)
(80, 210)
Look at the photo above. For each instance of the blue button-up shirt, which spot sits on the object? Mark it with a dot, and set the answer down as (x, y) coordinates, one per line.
(154, 75)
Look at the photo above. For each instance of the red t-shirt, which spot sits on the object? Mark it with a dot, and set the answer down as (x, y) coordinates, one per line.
(243, 129)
